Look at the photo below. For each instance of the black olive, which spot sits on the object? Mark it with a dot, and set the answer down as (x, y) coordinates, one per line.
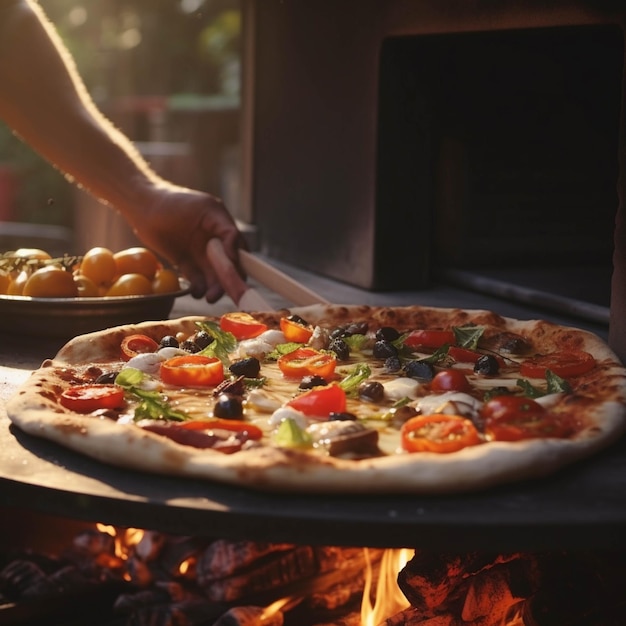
(249, 367)
(372, 391)
(422, 370)
(357, 328)
(202, 339)
(108, 378)
(339, 332)
(340, 348)
(308, 382)
(298, 320)
(387, 333)
(487, 365)
(169, 341)
(228, 407)
(342, 417)
(393, 364)
(383, 349)
(189, 346)
(403, 414)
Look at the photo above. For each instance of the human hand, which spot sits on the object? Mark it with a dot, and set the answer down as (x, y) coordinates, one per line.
(177, 223)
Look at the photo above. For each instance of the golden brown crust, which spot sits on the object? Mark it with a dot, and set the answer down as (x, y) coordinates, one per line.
(600, 396)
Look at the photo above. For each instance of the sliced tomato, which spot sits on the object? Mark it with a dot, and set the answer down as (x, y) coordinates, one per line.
(242, 325)
(512, 418)
(438, 433)
(88, 398)
(320, 401)
(295, 331)
(429, 338)
(193, 370)
(307, 361)
(249, 431)
(564, 363)
(450, 380)
(137, 344)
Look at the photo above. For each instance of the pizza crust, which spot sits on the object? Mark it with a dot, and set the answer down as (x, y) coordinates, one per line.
(34, 409)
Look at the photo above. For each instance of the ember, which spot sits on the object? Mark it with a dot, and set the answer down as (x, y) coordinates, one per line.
(129, 576)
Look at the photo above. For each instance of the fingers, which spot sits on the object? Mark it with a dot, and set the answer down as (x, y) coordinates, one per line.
(225, 271)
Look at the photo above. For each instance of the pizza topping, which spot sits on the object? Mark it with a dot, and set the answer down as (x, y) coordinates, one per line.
(291, 435)
(371, 391)
(228, 406)
(227, 444)
(345, 438)
(487, 365)
(506, 342)
(149, 362)
(241, 325)
(420, 370)
(320, 402)
(429, 338)
(249, 367)
(450, 380)
(89, 398)
(193, 370)
(306, 361)
(296, 329)
(451, 403)
(402, 387)
(384, 349)
(287, 413)
(438, 433)
(564, 363)
(132, 345)
(514, 418)
(340, 347)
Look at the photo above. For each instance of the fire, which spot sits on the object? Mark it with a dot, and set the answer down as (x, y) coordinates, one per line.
(388, 597)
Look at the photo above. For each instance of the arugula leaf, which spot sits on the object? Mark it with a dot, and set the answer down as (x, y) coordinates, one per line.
(359, 373)
(223, 344)
(152, 404)
(528, 389)
(468, 336)
(290, 435)
(355, 342)
(439, 356)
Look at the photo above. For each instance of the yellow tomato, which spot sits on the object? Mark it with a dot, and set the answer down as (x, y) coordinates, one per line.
(130, 285)
(50, 282)
(136, 261)
(86, 287)
(16, 286)
(32, 253)
(5, 281)
(99, 265)
(165, 281)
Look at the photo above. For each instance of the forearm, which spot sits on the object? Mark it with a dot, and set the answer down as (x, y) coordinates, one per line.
(43, 99)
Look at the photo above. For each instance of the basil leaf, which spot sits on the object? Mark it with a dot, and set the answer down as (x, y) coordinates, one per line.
(281, 349)
(223, 344)
(151, 404)
(528, 389)
(556, 384)
(468, 336)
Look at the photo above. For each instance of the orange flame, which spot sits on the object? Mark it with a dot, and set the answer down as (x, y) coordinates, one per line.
(389, 600)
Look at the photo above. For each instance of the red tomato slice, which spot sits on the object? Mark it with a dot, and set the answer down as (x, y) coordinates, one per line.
(512, 418)
(137, 344)
(249, 431)
(320, 401)
(192, 370)
(294, 331)
(450, 380)
(307, 361)
(563, 364)
(242, 325)
(429, 338)
(438, 433)
(88, 398)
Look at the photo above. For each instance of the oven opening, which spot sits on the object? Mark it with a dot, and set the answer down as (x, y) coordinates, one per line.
(498, 163)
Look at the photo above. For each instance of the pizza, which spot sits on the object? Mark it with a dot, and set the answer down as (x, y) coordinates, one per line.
(332, 399)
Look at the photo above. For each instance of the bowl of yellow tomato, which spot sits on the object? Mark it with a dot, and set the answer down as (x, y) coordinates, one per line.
(71, 295)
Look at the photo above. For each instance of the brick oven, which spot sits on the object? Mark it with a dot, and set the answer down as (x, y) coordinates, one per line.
(392, 144)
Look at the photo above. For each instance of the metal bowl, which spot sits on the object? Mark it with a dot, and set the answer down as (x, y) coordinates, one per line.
(64, 318)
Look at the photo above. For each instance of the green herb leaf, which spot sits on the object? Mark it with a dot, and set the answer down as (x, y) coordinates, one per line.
(223, 344)
(281, 349)
(151, 404)
(468, 336)
(528, 389)
(355, 342)
(355, 376)
(556, 384)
